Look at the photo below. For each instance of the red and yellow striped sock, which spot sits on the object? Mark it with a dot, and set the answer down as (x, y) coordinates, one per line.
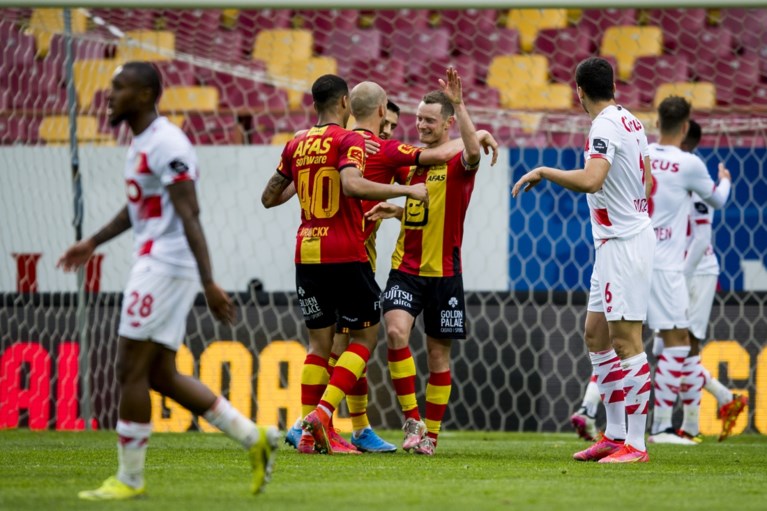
(351, 364)
(437, 396)
(357, 399)
(314, 379)
(402, 372)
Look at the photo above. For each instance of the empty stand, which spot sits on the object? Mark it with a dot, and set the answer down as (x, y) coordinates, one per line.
(353, 44)
(529, 21)
(702, 95)
(195, 98)
(651, 71)
(564, 48)
(55, 130)
(147, 45)
(626, 43)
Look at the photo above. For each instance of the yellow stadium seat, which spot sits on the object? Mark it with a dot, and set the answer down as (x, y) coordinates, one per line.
(283, 45)
(229, 18)
(177, 120)
(648, 119)
(702, 95)
(529, 21)
(55, 130)
(627, 42)
(281, 138)
(530, 96)
(506, 71)
(529, 121)
(147, 45)
(181, 99)
(297, 76)
(91, 76)
(46, 22)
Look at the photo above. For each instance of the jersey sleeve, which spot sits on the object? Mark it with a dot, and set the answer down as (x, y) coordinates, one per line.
(603, 140)
(400, 154)
(402, 174)
(697, 178)
(173, 160)
(351, 151)
(283, 168)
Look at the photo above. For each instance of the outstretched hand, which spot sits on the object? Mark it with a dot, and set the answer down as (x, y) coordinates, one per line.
(76, 255)
(382, 211)
(220, 304)
(488, 143)
(529, 180)
(452, 86)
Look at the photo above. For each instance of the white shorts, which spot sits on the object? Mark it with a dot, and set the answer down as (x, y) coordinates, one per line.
(620, 281)
(702, 289)
(155, 306)
(669, 301)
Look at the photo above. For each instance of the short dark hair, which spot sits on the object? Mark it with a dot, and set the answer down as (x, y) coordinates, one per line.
(391, 105)
(694, 134)
(438, 97)
(673, 113)
(595, 76)
(147, 75)
(327, 89)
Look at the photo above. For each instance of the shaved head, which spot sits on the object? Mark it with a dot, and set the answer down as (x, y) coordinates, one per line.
(366, 98)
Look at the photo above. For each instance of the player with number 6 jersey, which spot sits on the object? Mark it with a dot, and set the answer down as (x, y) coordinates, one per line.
(617, 180)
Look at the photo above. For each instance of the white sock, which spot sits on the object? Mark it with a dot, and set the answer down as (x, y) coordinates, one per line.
(609, 374)
(636, 385)
(692, 387)
(657, 345)
(229, 420)
(133, 438)
(591, 398)
(715, 387)
(668, 377)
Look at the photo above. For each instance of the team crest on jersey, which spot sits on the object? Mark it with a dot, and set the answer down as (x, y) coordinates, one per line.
(179, 167)
(701, 208)
(406, 149)
(356, 155)
(600, 145)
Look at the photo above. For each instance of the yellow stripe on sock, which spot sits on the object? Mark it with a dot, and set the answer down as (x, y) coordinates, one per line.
(402, 368)
(438, 394)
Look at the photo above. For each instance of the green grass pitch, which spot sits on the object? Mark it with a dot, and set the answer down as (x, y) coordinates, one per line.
(471, 471)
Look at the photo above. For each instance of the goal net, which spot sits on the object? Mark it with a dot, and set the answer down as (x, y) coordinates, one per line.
(236, 81)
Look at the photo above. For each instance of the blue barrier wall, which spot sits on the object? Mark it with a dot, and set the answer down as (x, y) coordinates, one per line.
(550, 243)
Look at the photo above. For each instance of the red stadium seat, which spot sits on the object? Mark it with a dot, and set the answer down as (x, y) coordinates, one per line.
(251, 21)
(564, 48)
(628, 95)
(81, 49)
(406, 129)
(24, 80)
(750, 95)
(728, 73)
(325, 24)
(222, 45)
(676, 21)
(129, 19)
(486, 46)
(244, 93)
(211, 129)
(482, 97)
(353, 44)
(466, 24)
(17, 47)
(434, 69)
(651, 71)
(704, 46)
(194, 28)
(175, 72)
(16, 15)
(747, 25)
(596, 21)
(264, 126)
(40, 98)
(396, 24)
(388, 73)
(416, 47)
(19, 129)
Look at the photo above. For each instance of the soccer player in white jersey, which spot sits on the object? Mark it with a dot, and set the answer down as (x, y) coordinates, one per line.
(616, 178)
(701, 271)
(676, 174)
(171, 262)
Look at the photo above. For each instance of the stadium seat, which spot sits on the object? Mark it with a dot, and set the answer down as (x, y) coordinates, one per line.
(301, 74)
(702, 95)
(81, 49)
(628, 95)
(55, 130)
(17, 15)
(264, 126)
(466, 24)
(176, 72)
(90, 76)
(222, 45)
(651, 71)
(146, 45)
(486, 46)
(192, 28)
(282, 138)
(28, 78)
(434, 69)
(529, 21)
(388, 73)
(212, 129)
(245, 94)
(182, 99)
(414, 48)
(17, 128)
(674, 22)
(750, 95)
(394, 24)
(535, 96)
(283, 46)
(39, 98)
(353, 44)
(564, 48)
(129, 19)
(596, 21)
(705, 45)
(480, 96)
(747, 25)
(729, 73)
(17, 47)
(46, 22)
(506, 71)
(626, 43)
(252, 21)
(325, 24)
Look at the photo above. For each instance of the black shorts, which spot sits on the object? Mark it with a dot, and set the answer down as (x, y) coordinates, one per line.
(346, 293)
(440, 298)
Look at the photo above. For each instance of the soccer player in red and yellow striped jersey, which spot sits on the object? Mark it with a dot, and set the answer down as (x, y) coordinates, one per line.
(426, 265)
(333, 276)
